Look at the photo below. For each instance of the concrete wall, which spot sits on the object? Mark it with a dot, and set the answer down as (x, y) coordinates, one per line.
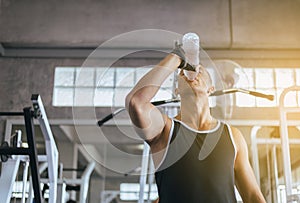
(220, 23)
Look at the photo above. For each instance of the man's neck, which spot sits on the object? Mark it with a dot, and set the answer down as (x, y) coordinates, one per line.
(196, 114)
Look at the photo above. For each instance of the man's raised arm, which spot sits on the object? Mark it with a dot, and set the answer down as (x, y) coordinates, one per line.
(148, 120)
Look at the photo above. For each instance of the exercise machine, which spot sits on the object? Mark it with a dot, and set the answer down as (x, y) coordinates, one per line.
(37, 111)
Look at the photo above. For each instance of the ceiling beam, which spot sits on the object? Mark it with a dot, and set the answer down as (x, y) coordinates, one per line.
(7, 50)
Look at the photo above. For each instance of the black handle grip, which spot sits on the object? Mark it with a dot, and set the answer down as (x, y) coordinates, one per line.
(105, 119)
(217, 93)
(266, 96)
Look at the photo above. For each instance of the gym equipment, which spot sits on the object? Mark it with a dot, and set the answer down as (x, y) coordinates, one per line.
(38, 113)
(9, 170)
(216, 93)
(234, 90)
(285, 143)
(57, 186)
(80, 184)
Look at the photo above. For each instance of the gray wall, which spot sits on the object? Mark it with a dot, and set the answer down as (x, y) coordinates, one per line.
(220, 23)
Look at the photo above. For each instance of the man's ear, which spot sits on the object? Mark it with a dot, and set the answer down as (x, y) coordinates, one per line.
(210, 90)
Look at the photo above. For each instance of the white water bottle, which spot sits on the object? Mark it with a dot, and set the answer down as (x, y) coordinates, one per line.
(191, 46)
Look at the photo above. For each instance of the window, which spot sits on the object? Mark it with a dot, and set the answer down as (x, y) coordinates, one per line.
(130, 191)
(269, 81)
(100, 86)
(107, 87)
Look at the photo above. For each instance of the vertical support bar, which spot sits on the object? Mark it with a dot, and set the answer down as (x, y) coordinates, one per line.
(42, 167)
(8, 177)
(287, 169)
(30, 192)
(61, 192)
(275, 169)
(254, 150)
(150, 179)
(25, 176)
(33, 154)
(51, 149)
(143, 177)
(74, 165)
(285, 153)
(269, 187)
(85, 178)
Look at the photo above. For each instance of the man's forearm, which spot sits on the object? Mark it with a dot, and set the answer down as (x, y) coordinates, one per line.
(148, 86)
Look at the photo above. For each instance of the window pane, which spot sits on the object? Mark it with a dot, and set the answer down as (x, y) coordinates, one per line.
(140, 72)
(125, 77)
(119, 97)
(130, 191)
(105, 77)
(84, 77)
(64, 77)
(298, 76)
(84, 97)
(290, 99)
(63, 96)
(284, 77)
(104, 97)
(245, 79)
(244, 100)
(262, 102)
(264, 78)
(163, 94)
(169, 81)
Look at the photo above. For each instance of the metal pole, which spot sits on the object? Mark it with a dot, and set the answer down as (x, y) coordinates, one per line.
(254, 150)
(269, 172)
(143, 177)
(11, 114)
(85, 178)
(285, 144)
(32, 154)
(286, 154)
(51, 149)
(25, 175)
(276, 195)
(150, 179)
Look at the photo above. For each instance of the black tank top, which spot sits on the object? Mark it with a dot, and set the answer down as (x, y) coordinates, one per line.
(198, 166)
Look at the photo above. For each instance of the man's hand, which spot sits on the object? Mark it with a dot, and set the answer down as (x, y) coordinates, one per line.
(178, 50)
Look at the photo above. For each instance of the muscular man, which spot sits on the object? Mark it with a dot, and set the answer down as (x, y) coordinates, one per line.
(197, 158)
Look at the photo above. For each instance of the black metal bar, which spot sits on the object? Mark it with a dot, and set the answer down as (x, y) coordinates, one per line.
(106, 118)
(234, 90)
(11, 113)
(14, 151)
(258, 94)
(216, 93)
(32, 154)
(156, 103)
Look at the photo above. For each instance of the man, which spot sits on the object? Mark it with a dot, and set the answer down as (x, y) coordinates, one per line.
(197, 158)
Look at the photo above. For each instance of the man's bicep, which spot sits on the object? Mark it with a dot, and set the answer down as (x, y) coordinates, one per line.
(149, 122)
